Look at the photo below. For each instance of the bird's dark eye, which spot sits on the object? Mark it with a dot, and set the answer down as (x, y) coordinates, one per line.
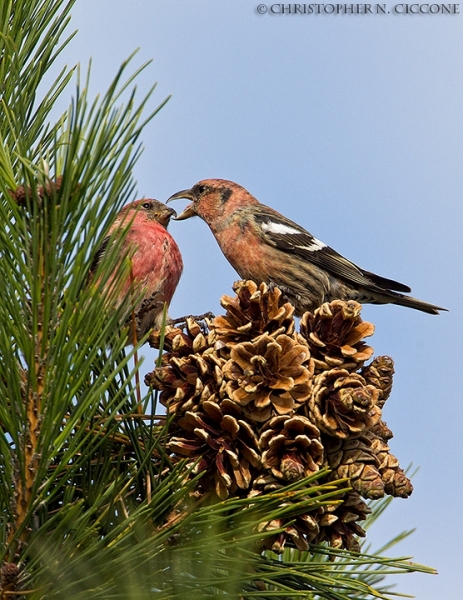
(202, 189)
(147, 205)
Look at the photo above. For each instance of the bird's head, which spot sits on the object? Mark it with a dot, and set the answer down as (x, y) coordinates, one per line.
(213, 199)
(150, 210)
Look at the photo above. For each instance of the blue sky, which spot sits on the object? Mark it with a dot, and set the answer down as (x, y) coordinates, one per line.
(352, 126)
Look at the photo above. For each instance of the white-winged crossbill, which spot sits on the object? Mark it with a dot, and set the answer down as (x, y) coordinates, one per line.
(263, 245)
(155, 262)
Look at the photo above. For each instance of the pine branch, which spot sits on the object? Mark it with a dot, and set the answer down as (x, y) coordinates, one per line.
(93, 500)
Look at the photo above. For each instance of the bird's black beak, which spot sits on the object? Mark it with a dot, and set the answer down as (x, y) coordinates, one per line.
(190, 209)
(165, 215)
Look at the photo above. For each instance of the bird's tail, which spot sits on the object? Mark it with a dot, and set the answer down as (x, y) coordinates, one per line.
(411, 302)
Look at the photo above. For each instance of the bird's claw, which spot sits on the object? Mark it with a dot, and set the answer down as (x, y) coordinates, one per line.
(198, 318)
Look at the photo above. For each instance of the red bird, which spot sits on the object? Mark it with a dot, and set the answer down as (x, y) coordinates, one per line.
(263, 245)
(155, 262)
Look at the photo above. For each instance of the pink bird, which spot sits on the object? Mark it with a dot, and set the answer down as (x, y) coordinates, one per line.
(155, 263)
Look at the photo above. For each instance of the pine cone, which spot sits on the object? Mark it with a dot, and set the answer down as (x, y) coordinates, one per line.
(356, 460)
(342, 405)
(339, 523)
(300, 533)
(291, 447)
(268, 376)
(334, 334)
(256, 405)
(187, 381)
(9, 575)
(382, 431)
(301, 529)
(253, 311)
(24, 193)
(396, 483)
(225, 444)
(367, 462)
(177, 342)
(380, 373)
(264, 483)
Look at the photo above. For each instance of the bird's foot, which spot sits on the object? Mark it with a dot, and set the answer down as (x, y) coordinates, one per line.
(198, 318)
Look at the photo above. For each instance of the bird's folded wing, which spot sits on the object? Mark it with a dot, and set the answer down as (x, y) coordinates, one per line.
(290, 237)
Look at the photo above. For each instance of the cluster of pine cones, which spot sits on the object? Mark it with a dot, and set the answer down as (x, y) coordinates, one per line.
(257, 405)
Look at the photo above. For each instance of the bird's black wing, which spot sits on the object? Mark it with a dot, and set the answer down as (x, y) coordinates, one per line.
(282, 233)
(99, 255)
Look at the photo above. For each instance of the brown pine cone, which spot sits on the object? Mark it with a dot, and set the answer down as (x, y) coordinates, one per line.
(334, 334)
(9, 576)
(339, 524)
(382, 430)
(253, 311)
(256, 405)
(225, 444)
(302, 530)
(193, 337)
(187, 381)
(299, 529)
(380, 373)
(268, 376)
(368, 464)
(356, 460)
(291, 447)
(396, 483)
(342, 405)
(24, 193)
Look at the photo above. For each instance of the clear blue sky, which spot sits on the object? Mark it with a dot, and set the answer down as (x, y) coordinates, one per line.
(352, 126)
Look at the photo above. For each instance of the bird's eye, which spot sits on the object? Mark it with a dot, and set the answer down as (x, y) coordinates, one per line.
(147, 205)
(202, 189)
